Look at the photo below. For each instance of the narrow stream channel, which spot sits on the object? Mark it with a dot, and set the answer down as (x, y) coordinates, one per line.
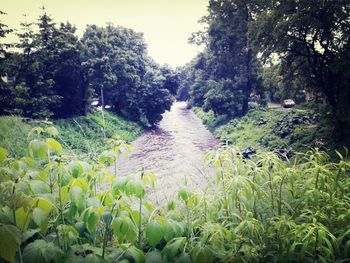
(174, 151)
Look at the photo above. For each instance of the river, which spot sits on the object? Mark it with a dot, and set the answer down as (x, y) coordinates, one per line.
(174, 151)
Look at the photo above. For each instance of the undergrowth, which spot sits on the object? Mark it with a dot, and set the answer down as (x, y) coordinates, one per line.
(282, 130)
(56, 208)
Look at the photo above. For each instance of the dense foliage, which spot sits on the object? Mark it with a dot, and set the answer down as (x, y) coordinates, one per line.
(54, 208)
(226, 73)
(56, 74)
(294, 49)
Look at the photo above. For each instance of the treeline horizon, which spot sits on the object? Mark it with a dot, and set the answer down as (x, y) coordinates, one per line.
(55, 74)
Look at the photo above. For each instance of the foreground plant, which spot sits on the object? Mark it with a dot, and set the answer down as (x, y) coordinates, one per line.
(55, 208)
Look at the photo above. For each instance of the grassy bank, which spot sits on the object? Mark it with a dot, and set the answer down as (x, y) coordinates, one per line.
(82, 135)
(286, 130)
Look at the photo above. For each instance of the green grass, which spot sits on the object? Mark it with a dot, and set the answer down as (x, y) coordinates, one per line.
(13, 135)
(82, 135)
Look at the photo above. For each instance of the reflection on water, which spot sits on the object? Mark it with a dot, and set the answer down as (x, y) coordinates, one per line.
(174, 151)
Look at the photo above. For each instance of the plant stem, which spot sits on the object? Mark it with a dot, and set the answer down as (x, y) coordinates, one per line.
(104, 244)
(103, 116)
(15, 222)
(140, 209)
(50, 173)
(139, 239)
(317, 178)
(60, 197)
(188, 221)
(271, 192)
(280, 196)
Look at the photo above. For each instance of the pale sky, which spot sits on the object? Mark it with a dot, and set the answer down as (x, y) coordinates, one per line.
(166, 24)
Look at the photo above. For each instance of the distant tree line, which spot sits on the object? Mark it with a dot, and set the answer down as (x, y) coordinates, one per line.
(281, 48)
(52, 73)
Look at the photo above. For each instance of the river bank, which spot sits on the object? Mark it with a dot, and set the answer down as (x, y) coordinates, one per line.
(83, 136)
(274, 129)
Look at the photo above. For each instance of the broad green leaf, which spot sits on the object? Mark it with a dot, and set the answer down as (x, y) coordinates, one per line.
(93, 202)
(38, 149)
(40, 218)
(172, 229)
(154, 257)
(75, 168)
(68, 233)
(54, 146)
(119, 187)
(134, 254)
(43, 203)
(22, 218)
(10, 240)
(41, 251)
(124, 229)
(135, 187)
(173, 248)
(108, 157)
(38, 187)
(80, 227)
(136, 217)
(91, 218)
(154, 232)
(80, 182)
(77, 197)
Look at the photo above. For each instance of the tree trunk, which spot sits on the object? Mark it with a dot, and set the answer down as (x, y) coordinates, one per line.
(102, 99)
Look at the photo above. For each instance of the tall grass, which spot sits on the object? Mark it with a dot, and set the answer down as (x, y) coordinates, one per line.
(85, 135)
(13, 135)
(81, 135)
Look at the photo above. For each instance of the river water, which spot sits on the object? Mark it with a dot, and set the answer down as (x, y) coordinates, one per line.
(174, 151)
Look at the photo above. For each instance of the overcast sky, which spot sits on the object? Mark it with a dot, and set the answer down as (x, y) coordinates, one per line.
(166, 24)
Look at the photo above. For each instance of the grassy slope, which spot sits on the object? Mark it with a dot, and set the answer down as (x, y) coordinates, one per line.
(13, 135)
(81, 134)
(273, 129)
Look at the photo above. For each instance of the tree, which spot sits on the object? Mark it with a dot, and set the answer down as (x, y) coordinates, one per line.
(48, 79)
(4, 30)
(69, 77)
(5, 99)
(39, 77)
(97, 57)
(314, 40)
(171, 79)
(231, 62)
(154, 96)
(123, 76)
